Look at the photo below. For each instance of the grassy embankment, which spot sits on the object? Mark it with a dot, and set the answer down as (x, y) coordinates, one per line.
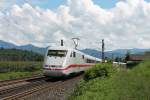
(18, 69)
(104, 82)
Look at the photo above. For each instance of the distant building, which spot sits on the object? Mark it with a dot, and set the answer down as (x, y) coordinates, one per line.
(140, 57)
(137, 57)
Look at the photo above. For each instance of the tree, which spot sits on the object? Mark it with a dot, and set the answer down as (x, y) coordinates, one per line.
(127, 57)
(117, 59)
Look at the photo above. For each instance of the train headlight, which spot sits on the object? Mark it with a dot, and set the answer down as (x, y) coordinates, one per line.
(46, 66)
(52, 66)
(59, 66)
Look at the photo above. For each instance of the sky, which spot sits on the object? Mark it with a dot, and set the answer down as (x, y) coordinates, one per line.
(53, 4)
(121, 23)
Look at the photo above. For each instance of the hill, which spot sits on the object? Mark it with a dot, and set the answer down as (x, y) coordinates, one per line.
(33, 48)
(6, 45)
(92, 52)
(114, 53)
(29, 47)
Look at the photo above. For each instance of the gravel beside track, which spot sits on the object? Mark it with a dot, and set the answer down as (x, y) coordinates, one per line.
(59, 91)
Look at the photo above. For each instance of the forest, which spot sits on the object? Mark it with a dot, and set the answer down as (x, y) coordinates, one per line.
(19, 55)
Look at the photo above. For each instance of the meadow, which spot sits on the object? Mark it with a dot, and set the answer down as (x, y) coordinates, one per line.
(19, 69)
(104, 82)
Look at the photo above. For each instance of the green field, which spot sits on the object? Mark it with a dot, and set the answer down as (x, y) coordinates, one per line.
(19, 69)
(132, 84)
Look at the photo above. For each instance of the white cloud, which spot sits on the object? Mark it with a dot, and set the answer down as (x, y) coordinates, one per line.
(124, 26)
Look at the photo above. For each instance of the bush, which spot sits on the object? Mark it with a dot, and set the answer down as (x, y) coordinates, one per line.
(99, 70)
(131, 64)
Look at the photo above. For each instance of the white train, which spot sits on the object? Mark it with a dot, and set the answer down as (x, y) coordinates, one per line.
(61, 61)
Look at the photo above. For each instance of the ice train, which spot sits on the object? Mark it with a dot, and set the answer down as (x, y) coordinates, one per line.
(62, 61)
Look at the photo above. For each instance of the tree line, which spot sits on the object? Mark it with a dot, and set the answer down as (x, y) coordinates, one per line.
(19, 55)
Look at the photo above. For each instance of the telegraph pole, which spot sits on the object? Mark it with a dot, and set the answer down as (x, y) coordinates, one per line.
(103, 48)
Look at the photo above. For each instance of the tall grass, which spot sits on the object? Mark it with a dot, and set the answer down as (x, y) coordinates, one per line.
(133, 84)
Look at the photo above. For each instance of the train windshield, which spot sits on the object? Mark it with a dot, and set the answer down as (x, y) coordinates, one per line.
(57, 53)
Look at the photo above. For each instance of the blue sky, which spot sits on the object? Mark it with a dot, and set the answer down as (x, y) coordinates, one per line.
(52, 4)
(55, 3)
(106, 3)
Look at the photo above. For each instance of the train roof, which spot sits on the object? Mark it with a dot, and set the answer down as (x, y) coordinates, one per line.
(57, 48)
(72, 49)
(89, 56)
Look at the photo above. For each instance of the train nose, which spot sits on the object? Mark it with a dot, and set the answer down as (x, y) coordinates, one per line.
(53, 73)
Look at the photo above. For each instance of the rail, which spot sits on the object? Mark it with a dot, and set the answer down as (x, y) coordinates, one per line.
(47, 85)
(14, 81)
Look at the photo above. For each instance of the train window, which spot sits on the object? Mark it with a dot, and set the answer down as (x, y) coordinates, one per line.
(57, 53)
(82, 56)
(90, 61)
(71, 54)
(74, 54)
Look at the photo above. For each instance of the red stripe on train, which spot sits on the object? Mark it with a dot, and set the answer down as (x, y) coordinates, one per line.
(70, 66)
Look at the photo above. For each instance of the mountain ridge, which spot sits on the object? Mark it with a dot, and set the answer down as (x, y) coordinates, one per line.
(29, 47)
(92, 52)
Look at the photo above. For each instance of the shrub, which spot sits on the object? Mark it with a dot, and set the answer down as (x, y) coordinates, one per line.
(99, 70)
(131, 64)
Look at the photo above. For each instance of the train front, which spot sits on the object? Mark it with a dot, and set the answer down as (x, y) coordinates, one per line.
(53, 62)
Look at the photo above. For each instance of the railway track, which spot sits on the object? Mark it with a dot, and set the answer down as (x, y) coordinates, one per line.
(11, 86)
(15, 81)
(28, 92)
(33, 87)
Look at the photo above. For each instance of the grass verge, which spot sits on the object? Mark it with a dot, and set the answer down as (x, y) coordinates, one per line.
(15, 75)
(133, 84)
